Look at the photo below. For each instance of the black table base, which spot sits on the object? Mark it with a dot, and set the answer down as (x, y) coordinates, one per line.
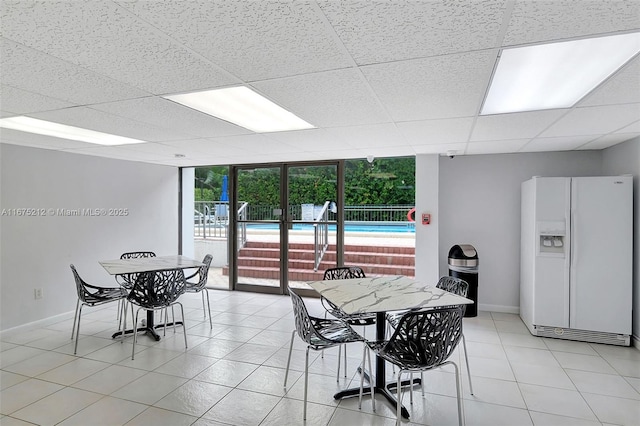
(149, 329)
(384, 391)
(380, 386)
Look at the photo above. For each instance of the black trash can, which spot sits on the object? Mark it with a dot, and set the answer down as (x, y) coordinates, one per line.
(463, 264)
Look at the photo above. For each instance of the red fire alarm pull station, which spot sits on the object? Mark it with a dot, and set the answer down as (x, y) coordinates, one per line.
(426, 218)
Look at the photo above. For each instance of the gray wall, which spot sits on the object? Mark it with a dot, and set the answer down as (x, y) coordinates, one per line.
(36, 251)
(479, 204)
(623, 159)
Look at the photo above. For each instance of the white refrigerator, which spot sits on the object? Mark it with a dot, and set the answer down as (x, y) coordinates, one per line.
(576, 258)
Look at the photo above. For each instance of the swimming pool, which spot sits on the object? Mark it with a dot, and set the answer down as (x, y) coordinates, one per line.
(348, 227)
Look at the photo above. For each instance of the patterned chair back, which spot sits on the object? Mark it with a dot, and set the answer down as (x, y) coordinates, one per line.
(203, 273)
(425, 339)
(158, 289)
(343, 273)
(129, 279)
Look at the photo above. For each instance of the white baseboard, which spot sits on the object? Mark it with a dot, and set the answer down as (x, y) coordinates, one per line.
(40, 323)
(499, 308)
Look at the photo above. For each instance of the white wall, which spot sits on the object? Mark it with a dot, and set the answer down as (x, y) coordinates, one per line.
(427, 187)
(623, 159)
(479, 204)
(37, 251)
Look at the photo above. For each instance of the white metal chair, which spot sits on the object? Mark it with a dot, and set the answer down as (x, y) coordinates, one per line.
(422, 340)
(200, 286)
(318, 334)
(90, 295)
(155, 291)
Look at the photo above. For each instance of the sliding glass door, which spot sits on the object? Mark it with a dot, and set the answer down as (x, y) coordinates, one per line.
(287, 224)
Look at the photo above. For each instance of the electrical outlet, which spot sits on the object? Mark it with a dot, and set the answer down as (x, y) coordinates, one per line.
(38, 293)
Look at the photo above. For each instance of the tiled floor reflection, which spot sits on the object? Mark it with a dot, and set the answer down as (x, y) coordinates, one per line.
(233, 375)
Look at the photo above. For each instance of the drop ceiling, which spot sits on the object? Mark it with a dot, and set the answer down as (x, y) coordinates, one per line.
(381, 78)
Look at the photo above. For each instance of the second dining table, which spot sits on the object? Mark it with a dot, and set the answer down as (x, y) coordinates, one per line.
(380, 295)
(147, 264)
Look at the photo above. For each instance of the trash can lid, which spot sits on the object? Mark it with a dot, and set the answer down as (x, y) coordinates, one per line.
(463, 251)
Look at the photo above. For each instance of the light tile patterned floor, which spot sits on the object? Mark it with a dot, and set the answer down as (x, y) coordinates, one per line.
(233, 375)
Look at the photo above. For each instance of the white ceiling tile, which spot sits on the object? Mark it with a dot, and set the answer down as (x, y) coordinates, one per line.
(20, 101)
(208, 147)
(367, 137)
(36, 72)
(441, 87)
(98, 64)
(567, 143)
(161, 112)
(311, 140)
(609, 140)
(621, 88)
(16, 137)
(260, 39)
(92, 119)
(594, 120)
(548, 20)
(632, 128)
(436, 131)
(335, 93)
(120, 152)
(122, 46)
(253, 144)
(376, 32)
(496, 147)
(440, 148)
(513, 126)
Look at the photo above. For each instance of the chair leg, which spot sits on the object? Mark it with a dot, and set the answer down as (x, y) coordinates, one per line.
(466, 358)
(135, 334)
(75, 349)
(366, 354)
(371, 382)
(399, 398)
(209, 308)
(75, 318)
(339, 354)
(204, 313)
(411, 388)
(306, 383)
(184, 325)
(458, 396)
(345, 361)
(286, 374)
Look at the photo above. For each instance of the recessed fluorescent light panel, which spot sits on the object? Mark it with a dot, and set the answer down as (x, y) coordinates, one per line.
(243, 107)
(556, 75)
(48, 128)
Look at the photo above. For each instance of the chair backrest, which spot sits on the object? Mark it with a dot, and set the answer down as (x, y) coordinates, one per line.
(158, 288)
(129, 279)
(427, 338)
(137, 254)
(343, 273)
(453, 285)
(456, 286)
(203, 273)
(304, 326)
(82, 288)
(80, 285)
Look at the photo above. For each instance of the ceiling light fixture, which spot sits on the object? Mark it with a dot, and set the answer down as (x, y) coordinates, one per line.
(555, 75)
(49, 128)
(243, 107)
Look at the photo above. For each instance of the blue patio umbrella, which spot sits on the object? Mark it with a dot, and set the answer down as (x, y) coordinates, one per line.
(224, 196)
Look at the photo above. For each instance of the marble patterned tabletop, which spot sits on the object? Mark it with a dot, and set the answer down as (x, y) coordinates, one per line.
(384, 294)
(147, 264)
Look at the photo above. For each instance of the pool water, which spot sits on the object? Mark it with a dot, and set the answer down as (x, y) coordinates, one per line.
(394, 228)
